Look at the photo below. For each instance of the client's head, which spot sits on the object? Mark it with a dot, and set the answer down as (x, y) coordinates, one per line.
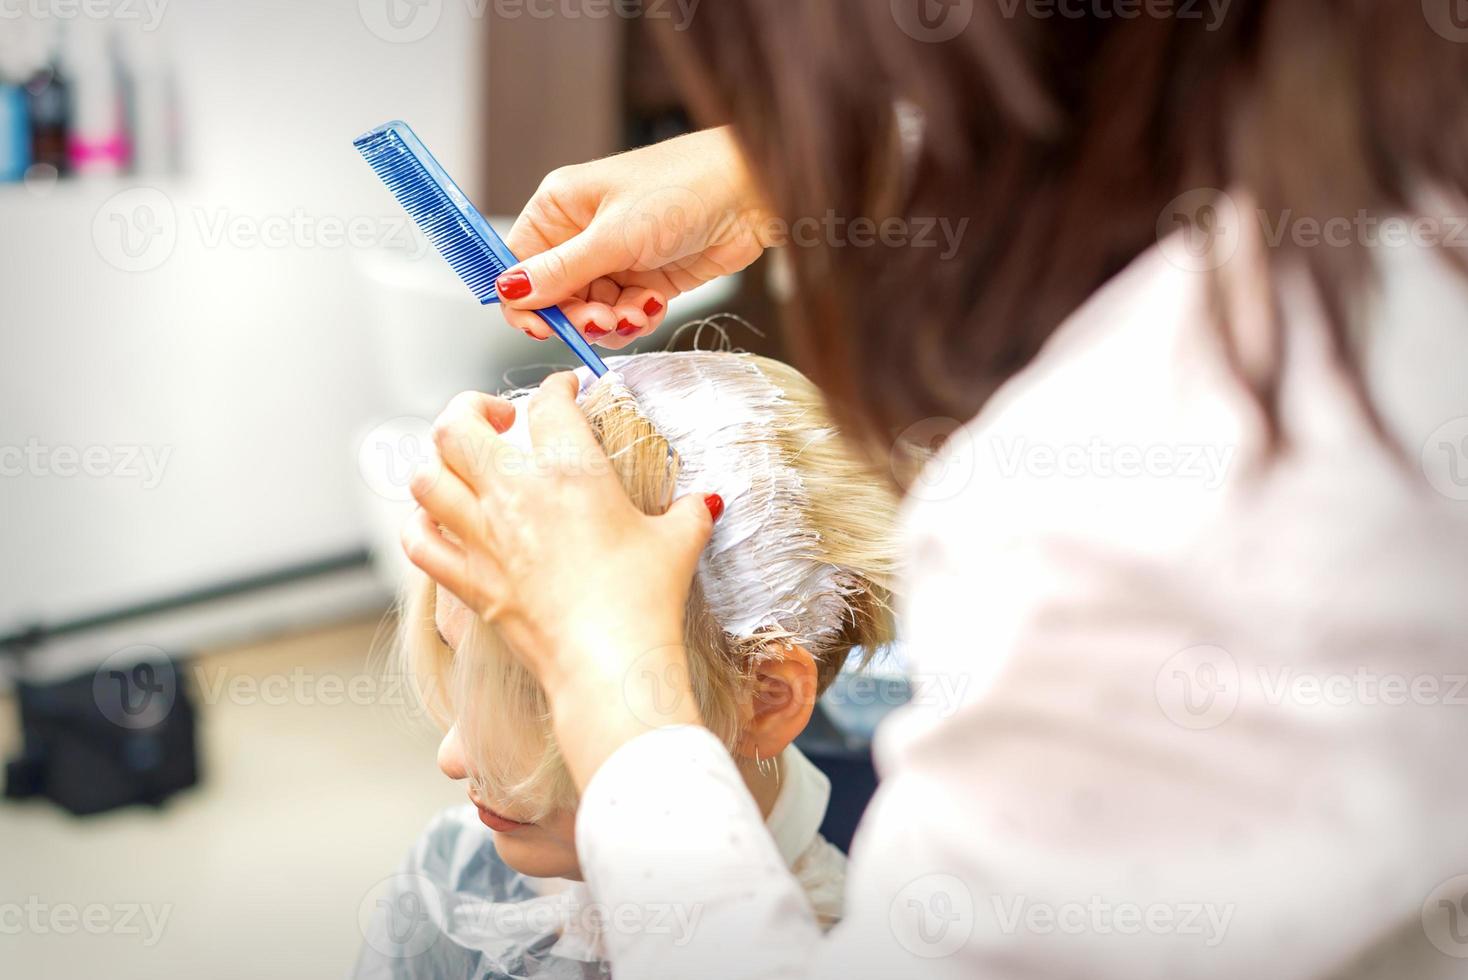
(792, 581)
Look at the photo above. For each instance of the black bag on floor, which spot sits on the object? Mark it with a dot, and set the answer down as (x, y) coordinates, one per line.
(119, 735)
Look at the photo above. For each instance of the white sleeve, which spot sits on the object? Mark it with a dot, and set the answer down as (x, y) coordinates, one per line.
(691, 884)
(1079, 833)
(690, 881)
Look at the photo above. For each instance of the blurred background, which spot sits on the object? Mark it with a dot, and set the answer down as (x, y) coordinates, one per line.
(221, 343)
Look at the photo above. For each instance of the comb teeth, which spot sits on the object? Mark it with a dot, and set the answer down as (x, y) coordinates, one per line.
(433, 211)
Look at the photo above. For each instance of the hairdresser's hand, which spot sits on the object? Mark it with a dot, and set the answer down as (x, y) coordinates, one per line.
(611, 242)
(586, 589)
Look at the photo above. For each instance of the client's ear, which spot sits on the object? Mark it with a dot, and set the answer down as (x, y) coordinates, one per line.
(781, 702)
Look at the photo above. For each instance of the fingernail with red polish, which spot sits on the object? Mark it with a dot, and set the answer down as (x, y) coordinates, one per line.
(652, 307)
(715, 504)
(627, 328)
(594, 332)
(513, 285)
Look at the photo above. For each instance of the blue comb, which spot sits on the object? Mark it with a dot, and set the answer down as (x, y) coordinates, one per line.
(452, 224)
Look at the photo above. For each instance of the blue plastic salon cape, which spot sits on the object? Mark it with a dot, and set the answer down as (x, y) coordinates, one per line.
(455, 911)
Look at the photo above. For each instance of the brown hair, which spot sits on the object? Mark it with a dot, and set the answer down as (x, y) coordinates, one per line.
(1060, 140)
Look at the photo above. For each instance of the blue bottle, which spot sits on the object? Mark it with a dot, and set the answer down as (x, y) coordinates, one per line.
(15, 132)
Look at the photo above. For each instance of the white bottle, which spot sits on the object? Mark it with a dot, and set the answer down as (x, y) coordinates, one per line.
(153, 106)
(99, 143)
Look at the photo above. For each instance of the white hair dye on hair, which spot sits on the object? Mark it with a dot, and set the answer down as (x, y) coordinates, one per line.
(761, 572)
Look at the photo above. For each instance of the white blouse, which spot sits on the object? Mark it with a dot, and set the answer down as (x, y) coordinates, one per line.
(1183, 708)
(794, 825)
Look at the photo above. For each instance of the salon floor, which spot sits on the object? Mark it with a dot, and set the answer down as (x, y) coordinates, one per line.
(312, 792)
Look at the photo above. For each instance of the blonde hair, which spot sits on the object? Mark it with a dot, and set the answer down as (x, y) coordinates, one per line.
(832, 520)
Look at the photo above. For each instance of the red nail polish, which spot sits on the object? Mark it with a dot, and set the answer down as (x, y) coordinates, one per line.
(513, 285)
(715, 504)
(593, 332)
(652, 307)
(627, 328)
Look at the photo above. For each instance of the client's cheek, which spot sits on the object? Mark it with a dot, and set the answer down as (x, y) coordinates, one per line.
(546, 850)
(562, 826)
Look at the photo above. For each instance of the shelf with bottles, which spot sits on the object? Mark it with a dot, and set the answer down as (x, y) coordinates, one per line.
(78, 101)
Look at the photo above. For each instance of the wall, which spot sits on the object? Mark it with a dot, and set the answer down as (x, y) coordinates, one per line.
(240, 365)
